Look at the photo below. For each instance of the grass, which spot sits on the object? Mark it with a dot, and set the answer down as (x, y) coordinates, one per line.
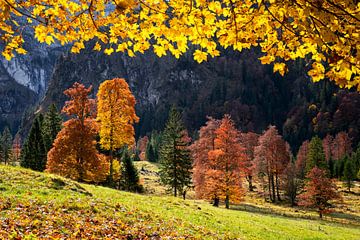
(36, 205)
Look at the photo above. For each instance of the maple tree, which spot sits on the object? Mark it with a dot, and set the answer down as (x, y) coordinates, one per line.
(199, 152)
(319, 190)
(74, 154)
(272, 157)
(116, 116)
(226, 162)
(249, 141)
(324, 33)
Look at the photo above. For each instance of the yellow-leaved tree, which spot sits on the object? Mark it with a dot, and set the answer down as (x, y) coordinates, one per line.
(116, 115)
(323, 32)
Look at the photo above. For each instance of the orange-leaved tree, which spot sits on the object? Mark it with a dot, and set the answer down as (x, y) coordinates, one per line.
(199, 151)
(223, 178)
(116, 116)
(74, 152)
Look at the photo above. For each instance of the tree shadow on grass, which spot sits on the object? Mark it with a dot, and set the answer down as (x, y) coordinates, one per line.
(335, 217)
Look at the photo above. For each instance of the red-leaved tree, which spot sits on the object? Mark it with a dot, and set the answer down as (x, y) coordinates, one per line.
(319, 190)
(74, 154)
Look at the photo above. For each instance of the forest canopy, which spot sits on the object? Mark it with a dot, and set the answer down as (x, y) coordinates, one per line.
(323, 32)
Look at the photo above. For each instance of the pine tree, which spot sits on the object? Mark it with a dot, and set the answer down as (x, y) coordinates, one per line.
(152, 147)
(355, 156)
(6, 141)
(52, 126)
(349, 173)
(33, 154)
(129, 180)
(175, 170)
(315, 156)
(150, 155)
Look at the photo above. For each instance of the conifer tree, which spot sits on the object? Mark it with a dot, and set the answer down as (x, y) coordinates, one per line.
(150, 155)
(315, 156)
(33, 154)
(6, 140)
(52, 125)
(355, 158)
(176, 165)
(129, 180)
(349, 173)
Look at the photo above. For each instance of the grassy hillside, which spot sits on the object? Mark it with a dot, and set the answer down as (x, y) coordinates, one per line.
(35, 205)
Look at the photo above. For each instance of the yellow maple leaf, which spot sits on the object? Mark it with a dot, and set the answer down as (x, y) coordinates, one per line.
(109, 51)
(281, 68)
(200, 56)
(159, 50)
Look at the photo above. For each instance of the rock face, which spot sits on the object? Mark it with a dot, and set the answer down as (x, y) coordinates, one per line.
(235, 83)
(15, 99)
(34, 69)
(25, 79)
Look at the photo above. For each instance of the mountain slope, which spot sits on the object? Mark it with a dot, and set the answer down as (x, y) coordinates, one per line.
(235, 83)
(15, 99)
(42, 205)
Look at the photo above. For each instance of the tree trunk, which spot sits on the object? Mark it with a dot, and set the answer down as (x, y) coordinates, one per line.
(216, 202)
(227, 202)
(249, 179)
(320, 214)
(269, 182)
(111, 173)
(273, 188)
(184, 194)
(277, 187)
(175, 191)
